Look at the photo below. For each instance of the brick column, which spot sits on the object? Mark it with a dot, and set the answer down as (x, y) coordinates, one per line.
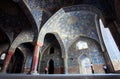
(35, 58)
(7, 61)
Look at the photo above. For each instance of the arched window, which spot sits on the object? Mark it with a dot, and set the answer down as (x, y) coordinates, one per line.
(81, 45)
(52, 50)
(2, 57)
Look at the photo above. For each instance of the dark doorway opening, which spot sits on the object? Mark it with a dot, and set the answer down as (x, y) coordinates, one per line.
(16, 62)
(51, 67)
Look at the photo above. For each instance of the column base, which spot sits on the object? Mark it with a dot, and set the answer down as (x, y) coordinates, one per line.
(34, 73)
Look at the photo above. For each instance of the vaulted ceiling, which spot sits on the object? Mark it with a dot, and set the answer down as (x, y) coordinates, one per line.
(18, 15)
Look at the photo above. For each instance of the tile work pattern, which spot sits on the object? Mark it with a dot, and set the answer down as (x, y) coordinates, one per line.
(70, 23)
(93, 52)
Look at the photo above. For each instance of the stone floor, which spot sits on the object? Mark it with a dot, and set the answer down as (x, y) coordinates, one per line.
(59, 76)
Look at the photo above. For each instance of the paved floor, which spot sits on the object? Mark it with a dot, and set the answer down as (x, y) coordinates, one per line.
(59, 76)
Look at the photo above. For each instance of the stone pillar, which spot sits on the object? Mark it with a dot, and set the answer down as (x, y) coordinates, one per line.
(65, 65)
(36, 58)
(65, 71)
(7, 60)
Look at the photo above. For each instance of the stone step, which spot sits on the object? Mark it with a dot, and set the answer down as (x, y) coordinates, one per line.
(59, 76)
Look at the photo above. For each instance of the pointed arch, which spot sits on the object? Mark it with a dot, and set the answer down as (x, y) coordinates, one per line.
(25, 36)
(52, 40)
(77, 38)
(59, 41)
(89, 48)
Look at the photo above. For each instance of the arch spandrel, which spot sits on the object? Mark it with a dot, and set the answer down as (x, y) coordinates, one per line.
(25, 36)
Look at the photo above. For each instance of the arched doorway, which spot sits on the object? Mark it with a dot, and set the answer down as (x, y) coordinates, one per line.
(51, 55)
(16, 62)
(88, 53)
(51, 67)
(85, 65)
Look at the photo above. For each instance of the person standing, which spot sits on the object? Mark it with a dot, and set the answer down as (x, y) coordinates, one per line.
(46, 70)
